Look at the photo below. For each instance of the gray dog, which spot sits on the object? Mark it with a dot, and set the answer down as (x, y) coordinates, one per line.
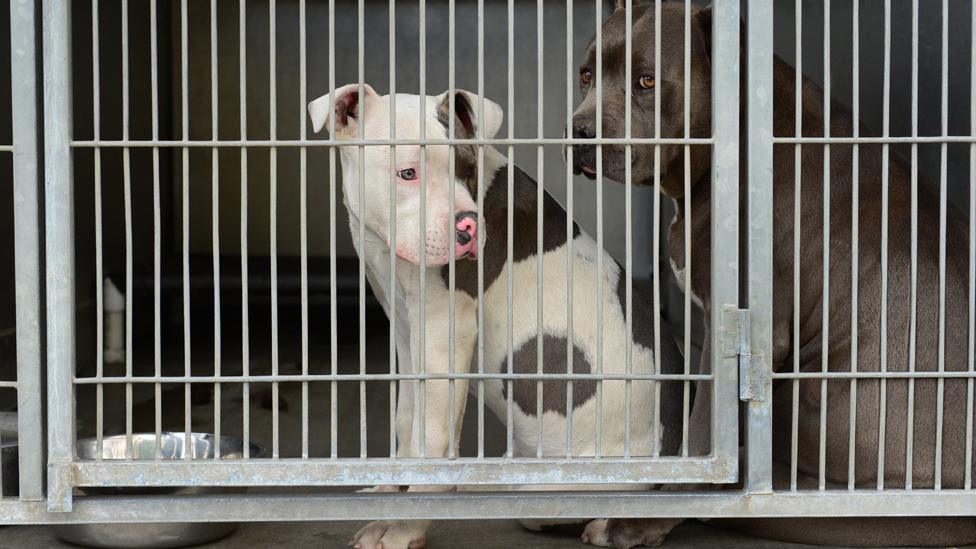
(806, 350)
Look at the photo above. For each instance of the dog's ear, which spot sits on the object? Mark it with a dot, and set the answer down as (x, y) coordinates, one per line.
(465, 114)
(346, 108)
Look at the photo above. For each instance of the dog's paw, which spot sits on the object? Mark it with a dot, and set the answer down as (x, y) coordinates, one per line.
(595, 533)
(391, 534)
(382, 488)
(628, 533)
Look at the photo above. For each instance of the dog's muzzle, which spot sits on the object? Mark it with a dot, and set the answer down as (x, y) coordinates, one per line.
(466, 235)
(584, 156)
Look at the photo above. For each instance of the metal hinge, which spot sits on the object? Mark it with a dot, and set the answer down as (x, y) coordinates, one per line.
(736, 336)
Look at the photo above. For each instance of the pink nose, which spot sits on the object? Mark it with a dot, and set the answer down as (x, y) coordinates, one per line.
(466, 234)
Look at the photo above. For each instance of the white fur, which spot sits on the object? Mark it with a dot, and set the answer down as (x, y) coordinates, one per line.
(400, 297)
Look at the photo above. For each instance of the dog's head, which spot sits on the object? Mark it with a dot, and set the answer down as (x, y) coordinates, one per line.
(394, 182)
(667, 82)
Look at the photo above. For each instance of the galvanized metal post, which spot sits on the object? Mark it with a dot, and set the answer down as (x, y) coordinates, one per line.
(59, 253)
(725, 219)
(26, 247)
(759, 130)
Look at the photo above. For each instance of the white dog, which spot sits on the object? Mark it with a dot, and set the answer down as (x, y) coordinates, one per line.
(466, 234)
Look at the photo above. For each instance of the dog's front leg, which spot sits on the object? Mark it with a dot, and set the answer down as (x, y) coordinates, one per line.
(430, 429)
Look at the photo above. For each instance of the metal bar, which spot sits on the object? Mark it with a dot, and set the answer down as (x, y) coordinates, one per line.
(569, 256)
(333, 315)
(413, 471)
(481, 223)
(185, 117)
(882, 412)
(510, 228)
(855, 258)
(458, 375)
(540, 167)
(878, 140)
(393, 259)
(759, 48)
(656, 245)
(157, 239)
(27, 273)
(628, 227)
(59, 253)
(512, 505)
(537, 141)
(825, 300)
(686, 214)
(99, 261)
(725, 218)
(968, 482)
(245, 329)
(797, 213)
(943, 182)
(303, 221)
(273, 214)
(215, 221)
(127, 198)
(913, 320)
(628, 390)
(361, 50)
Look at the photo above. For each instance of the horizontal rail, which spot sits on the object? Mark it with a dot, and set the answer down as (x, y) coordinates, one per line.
(364, 472)
(876, 375)
(6, 148)
(506, 505)
(876, 140)
(388, 377)
(388, 142)
(8, 384)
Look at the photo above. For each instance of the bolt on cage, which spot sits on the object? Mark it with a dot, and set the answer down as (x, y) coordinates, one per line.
(742, 330)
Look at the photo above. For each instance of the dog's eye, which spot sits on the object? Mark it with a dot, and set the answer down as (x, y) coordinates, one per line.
(646, 82)
(586, 77)
(407, 174)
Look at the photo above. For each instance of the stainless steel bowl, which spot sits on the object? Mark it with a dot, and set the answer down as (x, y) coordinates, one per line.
(155, 535)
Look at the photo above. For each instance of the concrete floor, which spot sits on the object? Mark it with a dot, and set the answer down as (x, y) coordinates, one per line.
(501, 534)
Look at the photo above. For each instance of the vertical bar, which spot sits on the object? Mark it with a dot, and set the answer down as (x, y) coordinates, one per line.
(59, 253)
(99, 275)
(273, 221)
(303, 222)
(185, 115)
(725, 214)
(27, 273)
(913, 321)
(570, 346)
(855, 257)
(481, 223)
(157, 240)
(968, 483)
(686, 202)
(393, 259)
(510, 229)
(362, 235)
(215, 219)
(127, 196)
(452, 261)
(540, 193)
(825, 308)
(333, 316)
(569, 258)
(245, 330)
(656, 246)
(797, 218)
(943, 182)
(599, 222)
(628, 217)
(883, 398)
(759, 48)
